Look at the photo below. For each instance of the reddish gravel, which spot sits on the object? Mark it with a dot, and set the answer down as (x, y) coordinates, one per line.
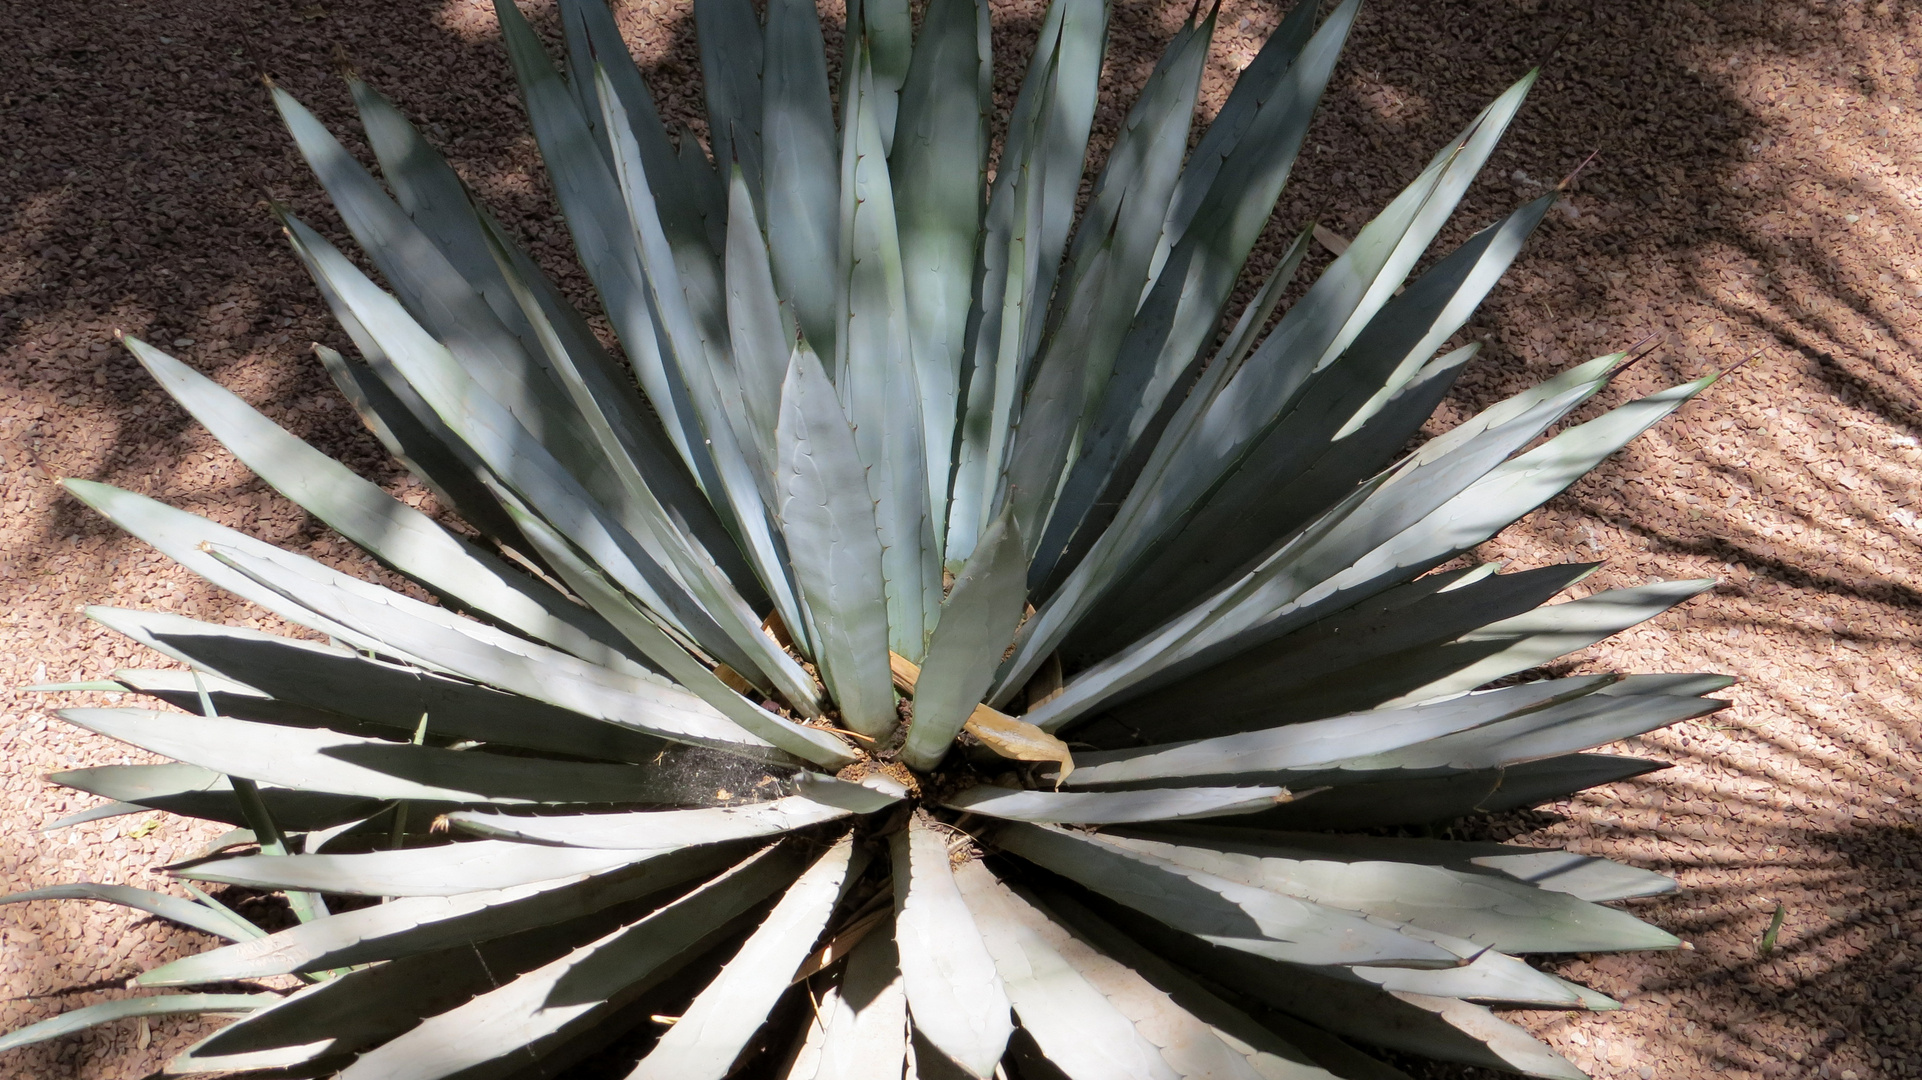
(1754, 189)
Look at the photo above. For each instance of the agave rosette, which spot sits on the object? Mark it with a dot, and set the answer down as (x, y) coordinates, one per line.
(937, 651)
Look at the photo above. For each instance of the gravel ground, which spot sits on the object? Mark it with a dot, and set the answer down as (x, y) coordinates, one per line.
(1752, 190)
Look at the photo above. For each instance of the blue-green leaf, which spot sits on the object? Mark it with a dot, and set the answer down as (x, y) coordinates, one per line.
(801, 181)
(729, 35)
(1114, 807)
(529, 1016)
(876, 376)
(216, 921)
(827, 517)
(954, 993)
(106, 1012)
(715, 1027)
(664, 828)
(978, 620)
(396, 533)
(938, 162)
(426, 921)
(1235, 916)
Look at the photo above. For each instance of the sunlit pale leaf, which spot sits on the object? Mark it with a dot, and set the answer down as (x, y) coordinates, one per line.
(954, 994)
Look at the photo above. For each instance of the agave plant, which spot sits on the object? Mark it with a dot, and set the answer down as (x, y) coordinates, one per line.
(943, 651)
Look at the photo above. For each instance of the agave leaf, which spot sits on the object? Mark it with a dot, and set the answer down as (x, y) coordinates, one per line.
(874, 372)
(443, 870)
(1142, 170)
(1039, 459)
(1525, 482)
(411, 925)
(1179, 314)
(1062, 106)
(1583, 876)
(954, 993)
(1167, 1038)
(1380, 258)
(801, 181)
(716, 1026)
(1208, 518)
(106, 1012)
(433, 195)
(180, 535)
(808, 744)
(978, 619)
(886, 30)
(581, 167)
(326, 1023)
(660, 828)
(993, 382)
(1599, 718)
(1337, 738)
(1377, 800)
(1167, 582)
(1237, 917)
(1108, 269)
(937, 162)
(437, 295)
(762, 338)
(859, 1030)
(1030, 207)
(645, 551)
(828, 520)
(215, 921)
(1078, 1027)
(1436, 1027)
(1341, 305)
(369, 768)
(1536, 637)
(729, 34)
(1393, 501)
(1259, 82)
(1412, 326)
(1271, 1057)
(204, 793)
(486, 655)
(1361, 658)
(338, 686)
(1502, 914)
(1491, 978)
(1114, 807)
(1254, 318)
(691, 200)
(638, 427)
(394, 532)
(1501, 1045)
(1054, 405)
(523, 1020)
(416, 438)
(1306, 569)
(98, 813)
(629, 462)
(698, 352)
(990, 391)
